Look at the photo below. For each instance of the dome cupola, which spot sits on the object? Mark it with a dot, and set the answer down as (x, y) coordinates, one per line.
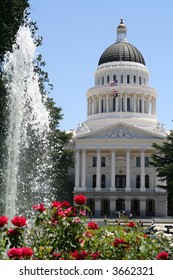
(121, 50)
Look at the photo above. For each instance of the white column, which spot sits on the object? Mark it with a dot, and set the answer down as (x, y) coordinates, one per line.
(93, 106)
(84, 169)
(117, 104)
(98, 170)
(107, 103)
(77, 169)
(128, 188)
(143, 171)
(113, 170)
(125, 103)
(134, 103)
(142, 104)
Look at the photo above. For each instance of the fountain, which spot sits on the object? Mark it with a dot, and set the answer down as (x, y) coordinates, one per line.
(28, 125)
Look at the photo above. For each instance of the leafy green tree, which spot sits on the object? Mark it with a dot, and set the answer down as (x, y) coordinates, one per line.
(162, 160)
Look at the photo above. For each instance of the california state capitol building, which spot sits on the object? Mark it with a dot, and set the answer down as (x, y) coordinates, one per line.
(113, 147)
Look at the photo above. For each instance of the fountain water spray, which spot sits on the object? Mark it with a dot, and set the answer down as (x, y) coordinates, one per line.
(26, 111)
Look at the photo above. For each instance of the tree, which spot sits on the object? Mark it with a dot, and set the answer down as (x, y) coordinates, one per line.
(162, 160)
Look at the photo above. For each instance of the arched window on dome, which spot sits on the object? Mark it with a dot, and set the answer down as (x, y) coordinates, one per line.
(134, 79)
(121, 79)
(128, 104)
(108, 80)
(114, 78)
(128, 79)
(140, 80)
(103, 80)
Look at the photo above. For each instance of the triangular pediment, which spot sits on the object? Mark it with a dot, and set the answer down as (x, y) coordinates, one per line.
(121, 131)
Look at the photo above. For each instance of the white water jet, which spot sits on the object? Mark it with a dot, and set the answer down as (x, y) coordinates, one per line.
(26, 108)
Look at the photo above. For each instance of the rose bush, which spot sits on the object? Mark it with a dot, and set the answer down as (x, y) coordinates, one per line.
(62, 232)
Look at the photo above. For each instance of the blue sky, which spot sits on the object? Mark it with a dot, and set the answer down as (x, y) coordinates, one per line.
(75, 33)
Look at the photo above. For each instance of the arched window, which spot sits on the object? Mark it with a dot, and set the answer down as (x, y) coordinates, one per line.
(140, 80)
(94, 181)
(107, 79)
(120, 204)
(128, 79)
(121, 79)
(105, 207)
(102, 80)
(150, 207)
(135, 207)
(138, 181)
(114, 77)
(147, 183)
(103, 181)
(128, 104)
(134, 79)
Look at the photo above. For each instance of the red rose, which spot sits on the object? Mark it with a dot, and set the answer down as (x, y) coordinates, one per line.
(19, 253)
(118, 242)
(40, 207)
(95, 255)
(3, 221)
(92, 225)
(131, 224)
(27, 252)
(19, 221)
(162, 256)
(79, 256)
(13, 231)
(56, 204)
(80, 199)
(65, 204)
(15, 253)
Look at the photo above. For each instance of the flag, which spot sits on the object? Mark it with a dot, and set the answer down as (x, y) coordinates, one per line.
(113, 83)
(114, 92)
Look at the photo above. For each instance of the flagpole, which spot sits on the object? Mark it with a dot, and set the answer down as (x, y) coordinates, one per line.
(121, 100)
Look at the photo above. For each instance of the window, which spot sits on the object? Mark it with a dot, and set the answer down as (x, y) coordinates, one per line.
(114, 77)
(147, 181)
(120, 181)
(134, 79)
(146, 161)
(138, 162)
(128, 79)
(103, 181)
(140, 80)
(107, 79)
(102, 80)
(103, 161)
(128, 104)
(121, 79)
(102, 106)
(138, 181)
(94, 181)
(94, 161)
(140, 105)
